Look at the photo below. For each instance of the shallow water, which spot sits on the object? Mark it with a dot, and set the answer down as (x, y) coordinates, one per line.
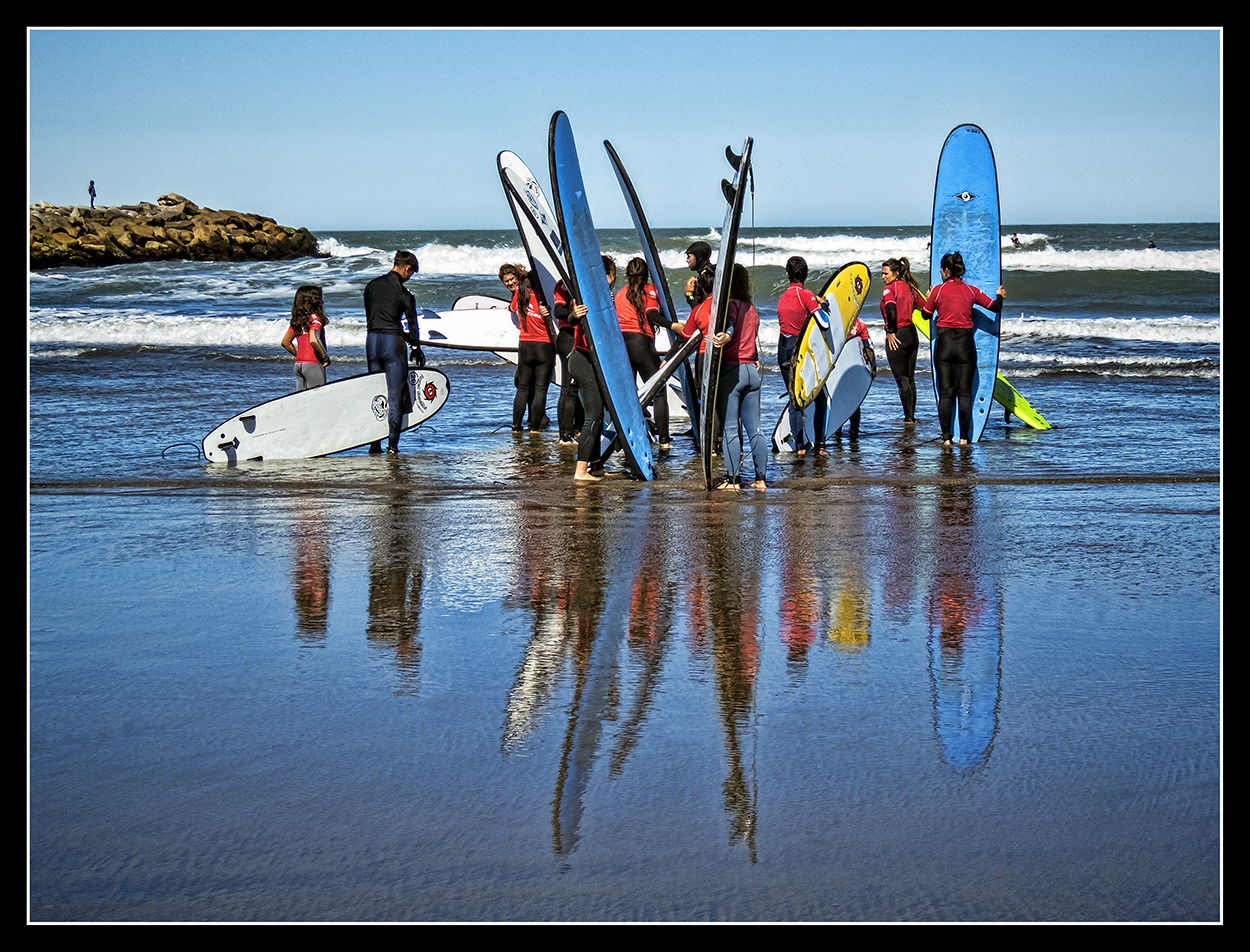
(901, 685)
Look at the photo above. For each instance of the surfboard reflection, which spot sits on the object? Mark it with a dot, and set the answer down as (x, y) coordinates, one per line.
(396, 580)
(965, 630)
(580, 577)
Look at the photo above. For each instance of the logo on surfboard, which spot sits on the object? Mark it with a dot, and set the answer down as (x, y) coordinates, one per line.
(378, 406)
(965, 196)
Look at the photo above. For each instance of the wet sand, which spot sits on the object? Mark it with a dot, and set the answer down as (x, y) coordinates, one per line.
(350, 690)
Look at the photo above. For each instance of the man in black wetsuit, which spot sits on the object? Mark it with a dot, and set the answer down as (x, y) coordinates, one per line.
(699, 258)
(391, 322)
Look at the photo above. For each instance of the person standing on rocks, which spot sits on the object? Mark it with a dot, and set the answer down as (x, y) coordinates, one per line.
(91, 192)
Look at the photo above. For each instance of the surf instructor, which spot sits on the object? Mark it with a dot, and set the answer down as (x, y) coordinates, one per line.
(391, 322)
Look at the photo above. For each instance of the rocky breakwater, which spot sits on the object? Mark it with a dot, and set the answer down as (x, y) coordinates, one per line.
(174, 229)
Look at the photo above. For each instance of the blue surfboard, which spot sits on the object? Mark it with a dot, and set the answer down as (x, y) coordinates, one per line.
(672, 365)
(965, 219)
(735, 194)
(590, 286)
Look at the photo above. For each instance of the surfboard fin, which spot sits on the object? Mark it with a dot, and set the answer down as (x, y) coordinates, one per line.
(728, 190)
(734, 158)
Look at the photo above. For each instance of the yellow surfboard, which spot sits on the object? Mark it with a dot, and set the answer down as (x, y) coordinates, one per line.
(826, 333)
(1008, 396)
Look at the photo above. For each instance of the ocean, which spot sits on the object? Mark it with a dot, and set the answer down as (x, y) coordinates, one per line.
(902, 684)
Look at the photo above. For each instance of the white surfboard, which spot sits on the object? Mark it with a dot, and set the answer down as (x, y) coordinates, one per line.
(338, 416)
(475, 322)
(845, 389)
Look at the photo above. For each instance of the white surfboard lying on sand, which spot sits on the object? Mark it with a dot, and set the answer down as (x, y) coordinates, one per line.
(338, 416)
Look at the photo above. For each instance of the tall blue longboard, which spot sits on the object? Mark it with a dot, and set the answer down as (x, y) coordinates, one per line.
(590, 287)
(735, 195)
(676, 362)
(965, 219)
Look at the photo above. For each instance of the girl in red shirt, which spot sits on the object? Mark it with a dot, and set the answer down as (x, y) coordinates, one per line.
(536, 354)
(738, 392)
(902, 295)
(638, 311)
(955, 351)
(305, 338)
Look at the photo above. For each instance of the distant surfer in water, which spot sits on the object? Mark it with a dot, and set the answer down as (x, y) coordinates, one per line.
(699, 260)
(536, 353)
(902, 295)
(955, 351)
(390, 322)
(795, 306)
(304, 338)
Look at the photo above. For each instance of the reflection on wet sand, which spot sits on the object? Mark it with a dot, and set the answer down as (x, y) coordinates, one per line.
(601, 594)
(732, 582)
(310, 573)
(396, 579)
(965, 625)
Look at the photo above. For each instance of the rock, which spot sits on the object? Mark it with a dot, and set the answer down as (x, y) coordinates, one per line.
(174, 229)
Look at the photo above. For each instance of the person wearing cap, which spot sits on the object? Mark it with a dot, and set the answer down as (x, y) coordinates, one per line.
(699, 260)
(391, 321)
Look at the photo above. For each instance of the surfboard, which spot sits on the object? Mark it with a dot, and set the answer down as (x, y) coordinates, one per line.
(540, 232)
(674, 364)
(339, 416)
(847, 385)
(590, 286)
(823, 337)
(735, 195)
(966, 219)
(845, 388)
(475, 322)
(1007, 395)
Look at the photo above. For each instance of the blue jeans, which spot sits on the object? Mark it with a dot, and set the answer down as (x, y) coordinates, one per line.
(740, 392)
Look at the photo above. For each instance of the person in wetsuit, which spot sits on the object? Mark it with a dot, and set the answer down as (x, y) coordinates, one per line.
(955, 350)
(902, 295)
(391, 323)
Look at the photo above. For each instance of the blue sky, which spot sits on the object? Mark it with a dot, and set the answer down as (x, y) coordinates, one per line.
(354, 129)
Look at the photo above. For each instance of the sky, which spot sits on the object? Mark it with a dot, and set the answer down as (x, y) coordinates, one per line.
(362, 129)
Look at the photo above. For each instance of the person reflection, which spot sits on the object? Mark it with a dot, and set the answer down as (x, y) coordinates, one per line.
(733, 573)
(965, 633)
(396, 579)
(310, 573)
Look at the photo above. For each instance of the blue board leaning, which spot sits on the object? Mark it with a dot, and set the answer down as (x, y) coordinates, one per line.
(590, 286)
(965, 219)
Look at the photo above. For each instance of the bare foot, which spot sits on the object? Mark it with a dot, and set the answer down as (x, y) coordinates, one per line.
(963, 442)
(726, 484)
(582, 473)
(759, 484)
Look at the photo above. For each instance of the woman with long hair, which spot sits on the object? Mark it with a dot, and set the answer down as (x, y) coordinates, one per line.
(305, 338)
(955, 350)
(901, 296)
(738, 392)
(536, 353)
(638, 312)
